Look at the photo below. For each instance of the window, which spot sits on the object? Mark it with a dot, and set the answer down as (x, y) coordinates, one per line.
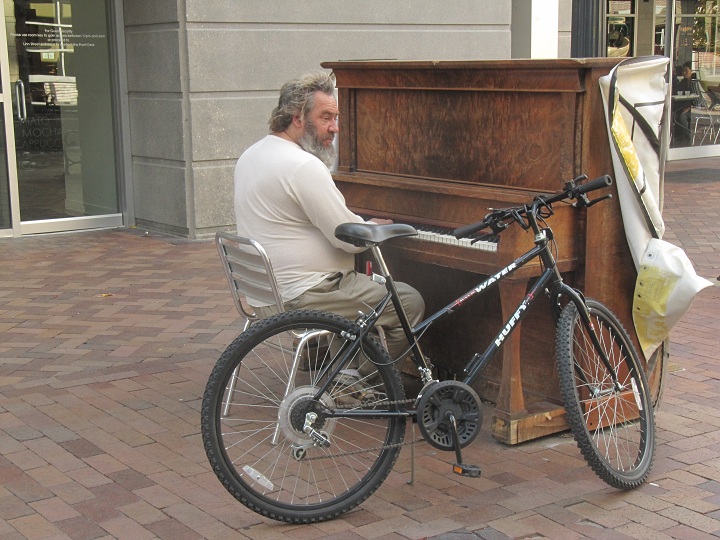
(620, 25)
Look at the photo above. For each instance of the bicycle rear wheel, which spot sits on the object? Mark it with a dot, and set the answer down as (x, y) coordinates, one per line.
(613, 424)
(257, 403)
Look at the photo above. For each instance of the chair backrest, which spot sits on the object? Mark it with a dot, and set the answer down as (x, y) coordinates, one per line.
(248, 271)
(714, 98)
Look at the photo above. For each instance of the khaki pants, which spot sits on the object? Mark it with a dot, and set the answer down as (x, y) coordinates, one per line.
(346, 293)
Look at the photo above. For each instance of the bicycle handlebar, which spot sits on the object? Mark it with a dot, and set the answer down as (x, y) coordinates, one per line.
(592, 185)
(573, 190)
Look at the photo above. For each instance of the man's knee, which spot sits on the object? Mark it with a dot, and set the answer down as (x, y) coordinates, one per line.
(266, 311)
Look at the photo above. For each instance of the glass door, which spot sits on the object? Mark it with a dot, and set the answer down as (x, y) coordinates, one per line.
(59, 88)
(6, 223)
(696, 82)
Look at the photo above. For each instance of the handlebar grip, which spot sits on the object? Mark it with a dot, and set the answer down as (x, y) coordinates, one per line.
(467, 230)
(592, 185)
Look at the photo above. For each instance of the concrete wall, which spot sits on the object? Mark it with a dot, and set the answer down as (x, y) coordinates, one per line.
(564, 28)
(541, 28)
(645, 19)
(204, 76)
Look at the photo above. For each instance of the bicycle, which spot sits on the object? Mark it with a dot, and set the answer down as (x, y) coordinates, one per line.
(318, 412)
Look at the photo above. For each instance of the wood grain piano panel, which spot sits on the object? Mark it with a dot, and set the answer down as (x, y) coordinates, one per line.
(466, 143)
(438, 143)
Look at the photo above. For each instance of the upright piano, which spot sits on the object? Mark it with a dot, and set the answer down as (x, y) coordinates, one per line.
(438, 143)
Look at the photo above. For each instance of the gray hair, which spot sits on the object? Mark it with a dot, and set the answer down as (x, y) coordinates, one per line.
(297, 98)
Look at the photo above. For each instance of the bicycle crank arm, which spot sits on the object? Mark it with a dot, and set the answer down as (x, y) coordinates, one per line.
(463, 469)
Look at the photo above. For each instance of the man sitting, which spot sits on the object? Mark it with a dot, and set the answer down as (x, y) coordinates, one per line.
(285, 198)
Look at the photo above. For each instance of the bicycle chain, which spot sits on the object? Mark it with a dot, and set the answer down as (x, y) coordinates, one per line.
(374, 448)
(365, 450)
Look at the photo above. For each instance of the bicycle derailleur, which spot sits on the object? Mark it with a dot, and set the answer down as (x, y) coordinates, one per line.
(449, 416)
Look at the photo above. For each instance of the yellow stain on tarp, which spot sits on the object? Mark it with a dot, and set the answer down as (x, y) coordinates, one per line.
(650, 302)
(627, 148)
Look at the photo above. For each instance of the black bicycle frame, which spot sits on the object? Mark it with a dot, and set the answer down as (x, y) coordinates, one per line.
(549, 277)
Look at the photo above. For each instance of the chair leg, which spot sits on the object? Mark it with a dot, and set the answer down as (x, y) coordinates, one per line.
(297, 358)
(412, 456)
(233, 379)
(706, 130)
(381, 335)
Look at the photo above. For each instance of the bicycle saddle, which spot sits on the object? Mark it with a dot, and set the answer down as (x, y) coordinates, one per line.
(371, 234)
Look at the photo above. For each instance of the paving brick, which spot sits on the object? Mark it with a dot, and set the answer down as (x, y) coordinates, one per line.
(158, 496)
(692, 519)
(35, 527)
(126, 528)
(201, 522)
(12, 507)
(170, 529)
(26, 460)
(55, 454)
(29, 488)
(72, 492)
(81, 528)
(81, 448)
(142, 512)
(54, 509)
(104, 464)
(89, 477)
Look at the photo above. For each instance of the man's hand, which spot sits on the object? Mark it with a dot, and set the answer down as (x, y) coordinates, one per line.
(380, 221)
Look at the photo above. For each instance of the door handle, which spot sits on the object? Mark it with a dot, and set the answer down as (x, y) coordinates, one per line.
(20, 105)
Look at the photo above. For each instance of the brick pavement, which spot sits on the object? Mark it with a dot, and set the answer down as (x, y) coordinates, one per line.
(106, 340)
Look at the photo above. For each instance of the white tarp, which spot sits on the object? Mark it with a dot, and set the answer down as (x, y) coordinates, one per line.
(636, 100)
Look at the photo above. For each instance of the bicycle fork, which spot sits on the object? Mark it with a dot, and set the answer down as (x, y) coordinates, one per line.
(577, 299)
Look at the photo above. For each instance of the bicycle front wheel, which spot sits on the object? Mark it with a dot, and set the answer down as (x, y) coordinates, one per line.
(610, 416)
(273, 445)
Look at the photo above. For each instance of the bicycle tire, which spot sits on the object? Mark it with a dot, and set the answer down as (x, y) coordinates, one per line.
(291, 479)
(615, 430)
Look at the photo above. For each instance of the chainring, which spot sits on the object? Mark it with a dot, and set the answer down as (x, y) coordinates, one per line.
(440, 401)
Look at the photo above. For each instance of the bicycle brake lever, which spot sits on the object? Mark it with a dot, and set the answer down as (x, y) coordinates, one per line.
(498, 226)
(595, 201)
(482, 237)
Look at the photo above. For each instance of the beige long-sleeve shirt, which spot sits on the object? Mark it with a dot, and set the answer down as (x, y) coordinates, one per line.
(285, 198)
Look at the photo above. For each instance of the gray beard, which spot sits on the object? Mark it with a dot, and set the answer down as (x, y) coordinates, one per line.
(310, 143)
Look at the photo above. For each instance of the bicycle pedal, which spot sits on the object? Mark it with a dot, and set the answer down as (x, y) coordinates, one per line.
(464, 469)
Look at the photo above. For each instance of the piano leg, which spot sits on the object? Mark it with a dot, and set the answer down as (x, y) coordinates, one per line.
(511, 403)
(515, 421)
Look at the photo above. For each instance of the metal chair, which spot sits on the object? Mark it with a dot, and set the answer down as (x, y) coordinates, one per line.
(249, 273)
(704, 118)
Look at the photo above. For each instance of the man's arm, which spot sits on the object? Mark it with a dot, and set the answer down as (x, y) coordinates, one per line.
(324, 205)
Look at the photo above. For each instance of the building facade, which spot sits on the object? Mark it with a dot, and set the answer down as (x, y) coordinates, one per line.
(132, 113)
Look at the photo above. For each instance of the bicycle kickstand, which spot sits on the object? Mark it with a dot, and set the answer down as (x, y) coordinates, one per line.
(463, 469)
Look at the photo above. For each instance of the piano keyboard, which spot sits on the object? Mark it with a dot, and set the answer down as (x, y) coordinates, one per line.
(442, 235)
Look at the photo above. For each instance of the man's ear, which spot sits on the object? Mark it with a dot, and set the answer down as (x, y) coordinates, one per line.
(297, 121)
